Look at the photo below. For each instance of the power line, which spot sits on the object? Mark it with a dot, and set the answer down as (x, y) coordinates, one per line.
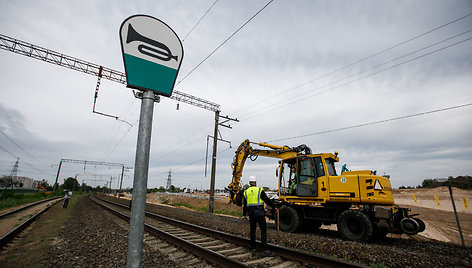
(303, 98)
(22, 148)
(358, 61)
(122, 138)
(26, 163)
(8, 152)
(227, 39)
(374, 123)
(192, 163)
(198, 22)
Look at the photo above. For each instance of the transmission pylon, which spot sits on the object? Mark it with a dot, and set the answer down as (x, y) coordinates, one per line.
(14, 171)
(169, 180)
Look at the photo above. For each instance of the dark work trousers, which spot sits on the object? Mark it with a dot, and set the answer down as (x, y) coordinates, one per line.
(253, 220)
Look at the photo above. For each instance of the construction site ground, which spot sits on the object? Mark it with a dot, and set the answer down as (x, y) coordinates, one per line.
(440, 219)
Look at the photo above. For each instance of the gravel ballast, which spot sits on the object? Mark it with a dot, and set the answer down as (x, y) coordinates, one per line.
(392, 252)
(92, 238)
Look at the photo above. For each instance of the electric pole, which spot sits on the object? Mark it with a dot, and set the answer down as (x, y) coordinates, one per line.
(213, 160)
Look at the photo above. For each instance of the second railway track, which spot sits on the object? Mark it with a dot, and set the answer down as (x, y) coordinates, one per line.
(15, 221)
(217, 248)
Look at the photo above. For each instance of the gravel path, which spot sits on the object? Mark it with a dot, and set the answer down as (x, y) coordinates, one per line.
(93, 238)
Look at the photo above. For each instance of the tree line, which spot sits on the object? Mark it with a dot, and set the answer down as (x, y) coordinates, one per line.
(463, 182)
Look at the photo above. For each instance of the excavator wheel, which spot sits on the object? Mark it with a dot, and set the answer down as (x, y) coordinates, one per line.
(289, 219)
(410, 226)
(355, 226)
(421, 224)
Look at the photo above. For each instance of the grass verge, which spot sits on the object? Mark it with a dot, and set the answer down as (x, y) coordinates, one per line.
(204, 209)
(33, 247)
(9, 199)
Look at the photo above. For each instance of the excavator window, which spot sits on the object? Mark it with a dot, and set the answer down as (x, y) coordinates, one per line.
(330, 166)
(286, 176)
(307, 177)
(319, 167)
(307, 171)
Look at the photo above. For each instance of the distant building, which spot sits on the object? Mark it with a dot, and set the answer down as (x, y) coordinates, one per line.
(25, 182)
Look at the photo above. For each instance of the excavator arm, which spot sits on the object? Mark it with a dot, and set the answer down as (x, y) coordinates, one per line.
(245, 151)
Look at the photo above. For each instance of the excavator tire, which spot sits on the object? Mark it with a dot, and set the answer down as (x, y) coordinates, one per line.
(421, 224)
(289, 219)
(410, 226)
(355, 226)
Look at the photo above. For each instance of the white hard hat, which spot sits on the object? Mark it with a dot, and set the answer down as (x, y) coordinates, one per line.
(252, 179)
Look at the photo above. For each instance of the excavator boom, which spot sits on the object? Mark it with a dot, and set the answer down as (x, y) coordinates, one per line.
(245, 151)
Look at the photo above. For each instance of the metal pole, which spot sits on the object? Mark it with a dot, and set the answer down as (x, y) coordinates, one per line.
(57, 176)
(136, 227)
(73, 184)
(213, 164)
(121, 183)
(455, 213)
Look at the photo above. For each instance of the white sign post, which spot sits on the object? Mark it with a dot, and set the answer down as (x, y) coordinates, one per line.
(152, 54)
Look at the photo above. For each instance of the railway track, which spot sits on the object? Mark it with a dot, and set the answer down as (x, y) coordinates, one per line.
(218, 248)
(15, 221)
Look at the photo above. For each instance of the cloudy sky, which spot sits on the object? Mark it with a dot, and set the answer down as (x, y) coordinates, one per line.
(387, 84)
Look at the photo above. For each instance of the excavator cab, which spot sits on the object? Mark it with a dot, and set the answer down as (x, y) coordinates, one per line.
(299, 176)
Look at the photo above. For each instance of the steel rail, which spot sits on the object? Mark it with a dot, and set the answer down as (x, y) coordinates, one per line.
(27, 206)
(26, 49)
(13, 233)
(195, 249)
(288, 253)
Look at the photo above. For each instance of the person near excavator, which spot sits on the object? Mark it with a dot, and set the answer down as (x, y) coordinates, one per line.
(253, 206)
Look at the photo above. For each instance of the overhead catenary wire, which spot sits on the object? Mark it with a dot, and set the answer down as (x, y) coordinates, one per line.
(224, 42)
(374, 123)
(256, 104)
(118, 130)
(183, 166)
(306, 97)
(121, 140)
(198, 22)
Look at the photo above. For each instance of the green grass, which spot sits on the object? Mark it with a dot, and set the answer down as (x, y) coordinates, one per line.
(33, 248)
(238, 213)
(9, 199)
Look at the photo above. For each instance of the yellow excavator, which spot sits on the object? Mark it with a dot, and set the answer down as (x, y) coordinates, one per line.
(311, 193)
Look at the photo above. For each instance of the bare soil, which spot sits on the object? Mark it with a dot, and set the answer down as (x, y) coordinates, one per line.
(440, 219)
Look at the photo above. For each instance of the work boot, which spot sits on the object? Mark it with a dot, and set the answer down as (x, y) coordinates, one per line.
(254, 252)
(268, 253)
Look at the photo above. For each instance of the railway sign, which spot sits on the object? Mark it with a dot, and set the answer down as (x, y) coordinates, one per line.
(152, 54)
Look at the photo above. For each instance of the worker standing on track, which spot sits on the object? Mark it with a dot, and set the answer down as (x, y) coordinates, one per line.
(253, 206)
(66, 198)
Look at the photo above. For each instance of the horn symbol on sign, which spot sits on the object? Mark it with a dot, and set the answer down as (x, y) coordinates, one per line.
(162, 52)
